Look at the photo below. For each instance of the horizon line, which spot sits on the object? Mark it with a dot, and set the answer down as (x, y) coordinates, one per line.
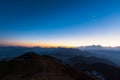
(58, 46)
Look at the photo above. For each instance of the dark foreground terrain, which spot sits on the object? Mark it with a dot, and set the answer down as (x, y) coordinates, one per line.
(31, 66)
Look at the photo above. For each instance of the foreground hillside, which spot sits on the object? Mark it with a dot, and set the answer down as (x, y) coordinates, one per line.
(31, 66)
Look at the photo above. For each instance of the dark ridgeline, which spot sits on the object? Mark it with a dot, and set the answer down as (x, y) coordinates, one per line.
(105, 68)
(31, 66)
(109, 71)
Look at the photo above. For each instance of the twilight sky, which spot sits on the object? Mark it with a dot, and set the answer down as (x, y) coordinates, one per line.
(59, 22)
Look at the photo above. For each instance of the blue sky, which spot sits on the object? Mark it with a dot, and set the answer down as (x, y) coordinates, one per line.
(60, 22)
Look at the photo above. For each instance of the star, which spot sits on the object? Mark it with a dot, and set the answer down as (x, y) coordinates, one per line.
(93, 16)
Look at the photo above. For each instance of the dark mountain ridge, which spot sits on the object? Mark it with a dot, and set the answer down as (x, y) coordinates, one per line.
(101, 68)
(32, 66)
(108, 71)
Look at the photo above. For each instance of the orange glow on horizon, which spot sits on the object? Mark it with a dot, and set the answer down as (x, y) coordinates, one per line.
(67, 44)
(27, 44)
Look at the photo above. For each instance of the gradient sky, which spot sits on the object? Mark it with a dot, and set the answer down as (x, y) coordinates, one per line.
(59, 22)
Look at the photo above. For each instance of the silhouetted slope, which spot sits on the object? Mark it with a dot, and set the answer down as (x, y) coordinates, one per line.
(108, 71)
(98, 66)
(31, 66)
(84, 61)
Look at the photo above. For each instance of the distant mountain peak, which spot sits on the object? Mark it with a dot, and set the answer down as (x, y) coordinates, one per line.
(98, 47)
